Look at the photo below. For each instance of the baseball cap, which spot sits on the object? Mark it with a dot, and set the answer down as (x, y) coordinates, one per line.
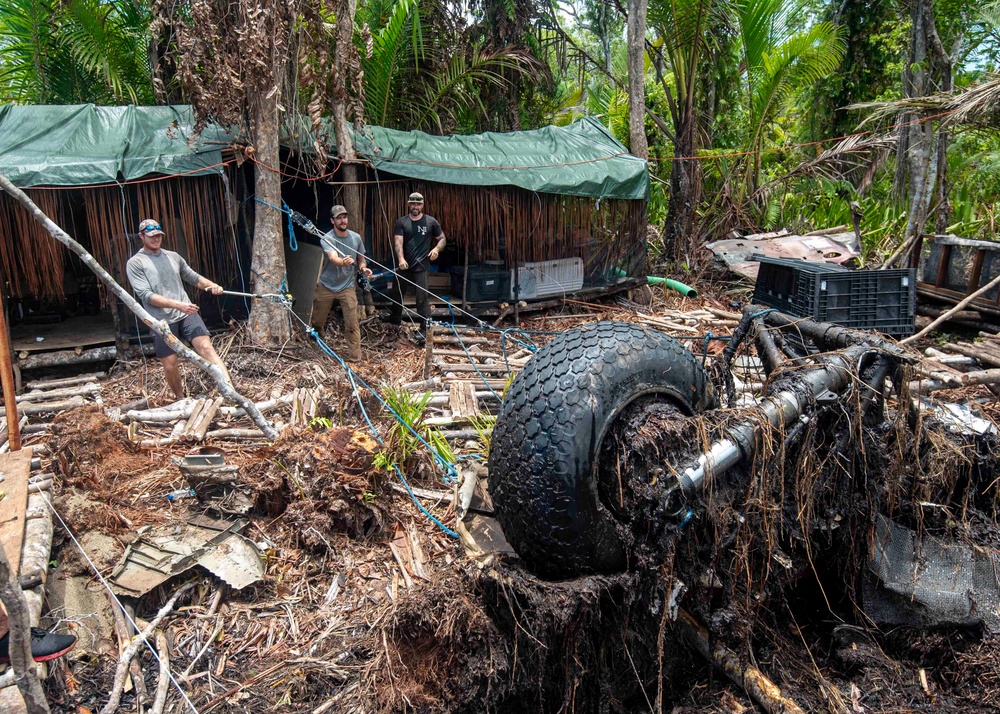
(415, 198)
(337, 210)
(148, 224)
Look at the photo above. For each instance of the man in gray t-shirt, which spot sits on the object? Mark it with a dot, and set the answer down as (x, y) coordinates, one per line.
(156, 275)
(343, 254)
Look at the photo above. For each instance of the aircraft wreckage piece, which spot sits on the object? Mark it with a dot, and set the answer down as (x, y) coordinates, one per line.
(551, 497)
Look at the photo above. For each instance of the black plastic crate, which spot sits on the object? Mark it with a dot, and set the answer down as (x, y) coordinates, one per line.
(883, 300)
(485, 283)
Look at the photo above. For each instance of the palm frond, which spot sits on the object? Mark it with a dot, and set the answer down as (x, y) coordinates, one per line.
(457, 87)
(853, 156)
(394, 54)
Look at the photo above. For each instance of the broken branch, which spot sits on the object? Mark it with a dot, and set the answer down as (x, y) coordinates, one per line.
(129, 652)
(158, 326)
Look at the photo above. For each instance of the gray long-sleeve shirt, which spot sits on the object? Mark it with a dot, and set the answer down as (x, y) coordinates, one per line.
(160, 274)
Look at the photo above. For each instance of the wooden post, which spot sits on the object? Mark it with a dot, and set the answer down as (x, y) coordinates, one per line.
(7, 379)
(428, 349)
(465, 282)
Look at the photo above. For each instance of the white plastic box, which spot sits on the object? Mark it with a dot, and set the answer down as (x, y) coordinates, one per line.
(548, 278)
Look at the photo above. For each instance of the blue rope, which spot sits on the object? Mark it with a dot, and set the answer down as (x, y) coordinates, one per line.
(761, 313)
(352, 376)
(704, 356)
(293, 242)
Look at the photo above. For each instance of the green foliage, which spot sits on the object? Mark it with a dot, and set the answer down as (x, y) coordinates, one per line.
(74, 52)
(484, 424)
(420, 77)
(402, 446)
(320, 422)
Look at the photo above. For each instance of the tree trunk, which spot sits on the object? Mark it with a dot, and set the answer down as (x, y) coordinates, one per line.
(346, 11)
(685, 184)
(268, 320)
(636, 78)
(921, 167)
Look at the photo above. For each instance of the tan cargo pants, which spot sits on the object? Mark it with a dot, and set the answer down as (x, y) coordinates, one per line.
(322, 303)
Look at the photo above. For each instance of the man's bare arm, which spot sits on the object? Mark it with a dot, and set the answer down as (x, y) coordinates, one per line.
(436, 250)
(206, 284)
(397, 243)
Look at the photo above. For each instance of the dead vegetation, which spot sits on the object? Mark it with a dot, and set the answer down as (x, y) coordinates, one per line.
(368, 606)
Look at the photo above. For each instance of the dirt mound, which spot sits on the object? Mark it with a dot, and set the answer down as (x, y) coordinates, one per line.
(323, 483)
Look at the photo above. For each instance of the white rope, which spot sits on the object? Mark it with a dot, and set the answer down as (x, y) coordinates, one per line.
(117, 601)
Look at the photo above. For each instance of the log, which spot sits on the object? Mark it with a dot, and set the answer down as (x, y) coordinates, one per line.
(46, 407)
(205, 420)
(460, 434)
(233, 434)
(195, 415)
(163, 683)
(484, 368)
(129, 652)
(984, 376)
(65, 381)
(761, 689)
(262, 407)
(493, 383)
(30, 429)
(472, 353)
(25, 672)
(85, 390)
(178, 410)
(66, 357)
(449, 339)
(423, 385)
(984, 355)
(958, 308)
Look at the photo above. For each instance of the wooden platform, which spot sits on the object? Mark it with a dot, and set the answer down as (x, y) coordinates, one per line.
(84, 331)
(15, 468)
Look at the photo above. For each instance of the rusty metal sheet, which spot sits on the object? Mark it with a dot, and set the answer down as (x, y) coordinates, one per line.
(833, 248)
(159, 554)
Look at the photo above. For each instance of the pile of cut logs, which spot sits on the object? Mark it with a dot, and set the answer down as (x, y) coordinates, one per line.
(190, 420)
(960, 364)
(47, 397)
(692, 322)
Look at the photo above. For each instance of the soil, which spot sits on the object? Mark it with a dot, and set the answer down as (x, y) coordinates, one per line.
(368, 606)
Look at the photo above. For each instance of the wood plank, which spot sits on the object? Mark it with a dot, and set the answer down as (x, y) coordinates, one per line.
(462, 400)
(15, 468)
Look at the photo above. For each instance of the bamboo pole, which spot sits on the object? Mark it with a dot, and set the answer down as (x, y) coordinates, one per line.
(159, 327)
(7, 379)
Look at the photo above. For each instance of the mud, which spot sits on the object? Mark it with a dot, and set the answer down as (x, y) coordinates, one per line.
(321, 484)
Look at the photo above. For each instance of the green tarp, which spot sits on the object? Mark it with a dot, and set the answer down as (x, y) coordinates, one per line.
(85, 144)
(582, 159)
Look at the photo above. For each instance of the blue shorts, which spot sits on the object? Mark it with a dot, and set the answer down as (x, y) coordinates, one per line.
(186, 330)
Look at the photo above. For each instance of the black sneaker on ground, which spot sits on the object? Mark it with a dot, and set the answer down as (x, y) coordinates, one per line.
(45, 645)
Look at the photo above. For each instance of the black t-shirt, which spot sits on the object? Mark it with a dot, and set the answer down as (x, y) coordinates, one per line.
(417, 239)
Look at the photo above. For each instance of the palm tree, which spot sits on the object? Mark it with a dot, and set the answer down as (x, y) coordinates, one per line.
(683, 27)
(420, 77)
(779, 61)
(76, 51)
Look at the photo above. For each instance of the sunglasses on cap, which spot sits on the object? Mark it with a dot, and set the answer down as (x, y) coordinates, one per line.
(150, 229)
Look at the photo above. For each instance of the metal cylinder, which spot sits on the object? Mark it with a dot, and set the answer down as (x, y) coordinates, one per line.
(834, 374)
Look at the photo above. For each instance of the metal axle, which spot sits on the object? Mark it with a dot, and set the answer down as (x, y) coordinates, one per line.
(835, 374)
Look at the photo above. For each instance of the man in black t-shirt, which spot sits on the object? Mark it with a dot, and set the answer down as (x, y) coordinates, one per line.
(417, 241)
